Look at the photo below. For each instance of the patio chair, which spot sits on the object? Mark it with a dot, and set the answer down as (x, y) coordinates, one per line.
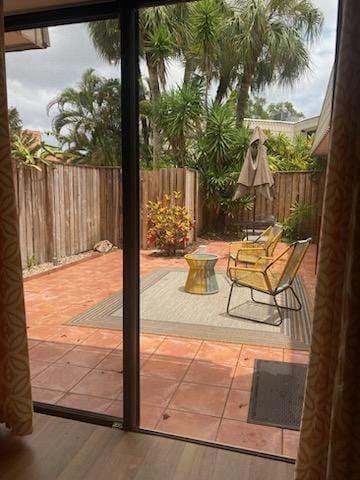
(246, 251)
(270, 276)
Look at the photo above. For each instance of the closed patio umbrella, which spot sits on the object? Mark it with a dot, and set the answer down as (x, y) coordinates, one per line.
(255, 176)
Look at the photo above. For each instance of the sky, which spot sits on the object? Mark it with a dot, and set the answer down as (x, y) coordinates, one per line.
(37, 77)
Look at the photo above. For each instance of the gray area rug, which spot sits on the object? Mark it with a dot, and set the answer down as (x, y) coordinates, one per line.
(277, 394)
(167, 309)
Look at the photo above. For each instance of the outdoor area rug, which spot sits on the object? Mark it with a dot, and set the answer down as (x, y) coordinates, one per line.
(167, 309)
(277, 394)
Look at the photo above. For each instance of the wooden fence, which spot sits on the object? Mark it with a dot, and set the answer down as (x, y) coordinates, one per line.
(291, 186)
(64, 210)
(306, 187)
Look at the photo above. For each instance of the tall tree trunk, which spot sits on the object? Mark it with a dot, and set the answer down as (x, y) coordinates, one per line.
(188, 70)
(243, 96)
(222, 88)
(207, 85)
(182, 150)
(155, 95)
(206, 95)
(145, 132)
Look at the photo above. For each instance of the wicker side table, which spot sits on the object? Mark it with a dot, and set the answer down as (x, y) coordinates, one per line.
(201, 278)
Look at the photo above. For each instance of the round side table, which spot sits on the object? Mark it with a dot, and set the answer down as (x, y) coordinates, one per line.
(201, 278)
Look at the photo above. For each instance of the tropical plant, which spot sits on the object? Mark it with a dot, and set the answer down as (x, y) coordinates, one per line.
(219, 187)
(15, 122)
(318, 165)
(228, 59)
(297, 224)
(219, 138)
(243, 45)
(272, 37)
(156, 47)
(88, 120)
(284, 154)
(183, 42)
(30, 151)
(179, 113)
(146, 111)
(222, 148)
(205, 30)
(169, 223)
(222, 143)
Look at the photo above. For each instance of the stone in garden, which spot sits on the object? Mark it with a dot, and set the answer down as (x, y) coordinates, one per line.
(103, 247)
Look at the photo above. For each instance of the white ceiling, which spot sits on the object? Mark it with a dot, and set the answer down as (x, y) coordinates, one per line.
(24, 6)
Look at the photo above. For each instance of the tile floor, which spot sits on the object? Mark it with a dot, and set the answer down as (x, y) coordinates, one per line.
(189, 393)
(188, 387)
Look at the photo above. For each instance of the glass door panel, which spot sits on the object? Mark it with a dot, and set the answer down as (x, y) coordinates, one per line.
(65, 109)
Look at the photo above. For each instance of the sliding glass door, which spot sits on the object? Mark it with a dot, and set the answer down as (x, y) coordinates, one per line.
(219, 362)
(65, 122)
(146, 146)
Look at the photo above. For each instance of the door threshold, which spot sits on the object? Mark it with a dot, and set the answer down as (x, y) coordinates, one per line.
(116, 422)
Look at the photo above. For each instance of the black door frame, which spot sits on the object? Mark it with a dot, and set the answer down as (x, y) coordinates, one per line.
(127, 14)
(129, 23)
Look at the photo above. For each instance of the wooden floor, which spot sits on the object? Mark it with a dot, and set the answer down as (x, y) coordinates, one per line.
(62, 449)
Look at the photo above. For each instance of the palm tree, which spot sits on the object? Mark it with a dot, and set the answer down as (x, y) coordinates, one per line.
(105, 35)
(156, 47)
(205, 23)
(222, 148)
(273, 38)
(15, 122)
(179, 112)
(88, 121)
(227, 60)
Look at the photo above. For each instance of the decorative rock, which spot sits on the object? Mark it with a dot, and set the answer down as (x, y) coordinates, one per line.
(103, 247)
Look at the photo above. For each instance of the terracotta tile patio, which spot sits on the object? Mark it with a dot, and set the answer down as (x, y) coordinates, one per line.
(188, 387)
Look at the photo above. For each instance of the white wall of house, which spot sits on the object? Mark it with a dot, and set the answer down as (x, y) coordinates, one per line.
(291, 129)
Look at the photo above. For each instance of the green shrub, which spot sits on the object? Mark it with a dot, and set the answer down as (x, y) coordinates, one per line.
(31, 262)
(285, 154)
(297, 224)
(169, 223)
(221, 151)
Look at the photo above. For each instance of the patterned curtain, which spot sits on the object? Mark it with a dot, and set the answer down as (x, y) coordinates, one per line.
(330, 433)
(15, 390)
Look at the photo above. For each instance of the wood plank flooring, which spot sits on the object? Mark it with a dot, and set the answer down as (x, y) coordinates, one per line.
(61, 449)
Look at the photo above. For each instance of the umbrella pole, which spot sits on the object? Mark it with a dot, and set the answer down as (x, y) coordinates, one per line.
(254, 208)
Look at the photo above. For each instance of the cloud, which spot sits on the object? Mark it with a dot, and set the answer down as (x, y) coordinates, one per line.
(36, 77)
(309, 92)
(329, 9)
